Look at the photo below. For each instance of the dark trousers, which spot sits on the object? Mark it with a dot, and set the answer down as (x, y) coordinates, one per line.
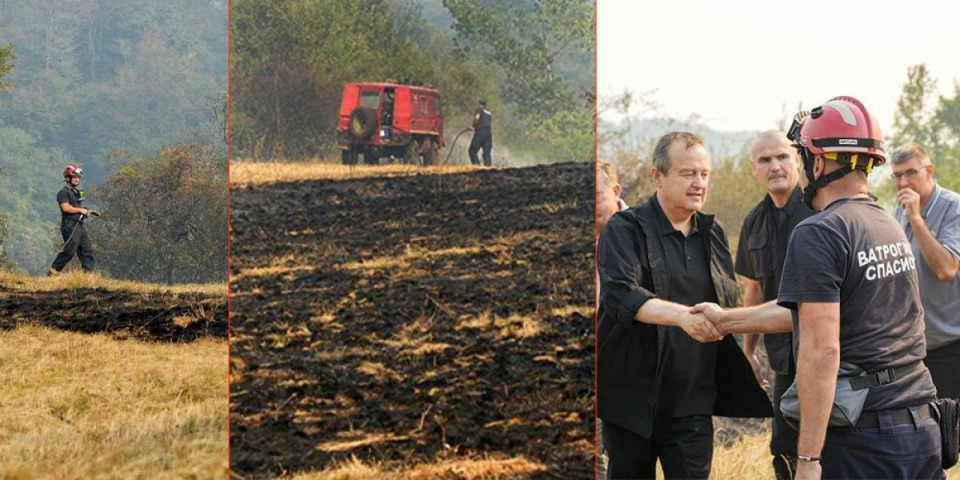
(944, 366)
(77, 244)
(888, 451)
(783, 441)
(683, 445)
(484, 141)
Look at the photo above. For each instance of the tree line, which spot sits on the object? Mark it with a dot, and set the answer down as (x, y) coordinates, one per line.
(104, 83)
(290, 60)
(922, 116)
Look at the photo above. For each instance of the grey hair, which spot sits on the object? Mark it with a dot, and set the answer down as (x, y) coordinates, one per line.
(661, 153)
(907, 151)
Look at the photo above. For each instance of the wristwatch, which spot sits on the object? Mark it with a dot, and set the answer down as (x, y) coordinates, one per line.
(804, 458)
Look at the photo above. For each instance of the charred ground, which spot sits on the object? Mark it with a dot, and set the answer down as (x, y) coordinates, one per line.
(414, 319)
(154, 315)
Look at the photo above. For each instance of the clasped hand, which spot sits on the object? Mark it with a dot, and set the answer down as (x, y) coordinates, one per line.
(703, 322)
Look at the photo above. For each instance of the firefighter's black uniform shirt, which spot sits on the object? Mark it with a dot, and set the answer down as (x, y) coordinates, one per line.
(856, 254)
(690, 387)
(485, 122)
(760, 253)
(73, 196)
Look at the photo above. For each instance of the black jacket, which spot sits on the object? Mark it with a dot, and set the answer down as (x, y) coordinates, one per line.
(632, 271)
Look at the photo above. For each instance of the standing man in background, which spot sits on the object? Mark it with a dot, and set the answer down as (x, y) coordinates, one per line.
(930, 217)
(608, 194)
(482, 135)
(72, 213)
(608, 202)
(760, 254)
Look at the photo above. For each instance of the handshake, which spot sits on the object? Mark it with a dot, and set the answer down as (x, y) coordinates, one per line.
(707, 322)
(704, 322)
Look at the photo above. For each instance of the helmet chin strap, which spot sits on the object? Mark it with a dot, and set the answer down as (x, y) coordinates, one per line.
(856, 162)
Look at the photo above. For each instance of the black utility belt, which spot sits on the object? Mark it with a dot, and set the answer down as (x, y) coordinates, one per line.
(898, 416)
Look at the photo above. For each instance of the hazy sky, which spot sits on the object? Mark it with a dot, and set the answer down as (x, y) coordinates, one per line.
(737, 62)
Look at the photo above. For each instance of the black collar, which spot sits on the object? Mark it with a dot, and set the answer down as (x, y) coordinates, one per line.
(663, 223)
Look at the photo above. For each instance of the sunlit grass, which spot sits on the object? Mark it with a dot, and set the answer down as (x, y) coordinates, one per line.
(246, 172)
(78, 279)
(90, 406)
(750, 459)
(513, 326)
(460, 469)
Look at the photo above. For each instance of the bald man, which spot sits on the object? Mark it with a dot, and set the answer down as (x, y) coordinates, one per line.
(760, 253)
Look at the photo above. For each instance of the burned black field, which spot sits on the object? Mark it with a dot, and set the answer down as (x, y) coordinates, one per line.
(412, 320)
(146, 316)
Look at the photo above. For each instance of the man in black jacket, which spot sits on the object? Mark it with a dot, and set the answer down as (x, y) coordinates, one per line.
(760, 255)
(72, 213)
(658, 386)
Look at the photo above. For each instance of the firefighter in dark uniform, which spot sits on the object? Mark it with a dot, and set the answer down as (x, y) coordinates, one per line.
(482, 135)
(850, 279)
(72, 214)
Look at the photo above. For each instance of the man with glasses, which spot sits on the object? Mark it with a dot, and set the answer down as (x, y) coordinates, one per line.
(930, 216)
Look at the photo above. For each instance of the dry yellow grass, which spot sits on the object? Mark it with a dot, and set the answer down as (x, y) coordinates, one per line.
(750, 459)
(460, 469)
(513, 326)
(245, 172)
(77, 279)
(76, 405)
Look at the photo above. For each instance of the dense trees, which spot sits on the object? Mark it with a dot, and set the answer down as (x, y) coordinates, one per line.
(291, 59)
(528, 41)
(6, 58)
(164, 217)
(93, 77)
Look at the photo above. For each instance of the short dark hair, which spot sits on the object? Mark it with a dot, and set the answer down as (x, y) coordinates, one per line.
(661, 153)
(483, 101)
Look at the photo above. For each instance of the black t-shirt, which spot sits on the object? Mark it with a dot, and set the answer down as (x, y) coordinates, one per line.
(690, 387)
(760, 253)
(485, 121)
(73, 196)
(854, 253)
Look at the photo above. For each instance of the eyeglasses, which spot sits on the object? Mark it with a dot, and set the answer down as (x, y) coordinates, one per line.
(910, 174)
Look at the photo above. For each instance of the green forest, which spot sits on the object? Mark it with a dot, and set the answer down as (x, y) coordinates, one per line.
(134, 92)
(531, 60)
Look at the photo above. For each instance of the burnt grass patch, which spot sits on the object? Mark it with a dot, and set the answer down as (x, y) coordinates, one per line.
(414, 319)
(152, 317)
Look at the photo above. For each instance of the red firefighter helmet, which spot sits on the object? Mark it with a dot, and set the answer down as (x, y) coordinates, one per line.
(842, 125)
(72, 170)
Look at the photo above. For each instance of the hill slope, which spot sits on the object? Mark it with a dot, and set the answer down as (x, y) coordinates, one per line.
(107, 379)
(414, 320)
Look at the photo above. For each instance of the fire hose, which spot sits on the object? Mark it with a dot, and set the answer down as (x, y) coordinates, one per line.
(465, 130)
(78, 225)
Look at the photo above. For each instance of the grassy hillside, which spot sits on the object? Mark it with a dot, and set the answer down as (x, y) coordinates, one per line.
(144, 396)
